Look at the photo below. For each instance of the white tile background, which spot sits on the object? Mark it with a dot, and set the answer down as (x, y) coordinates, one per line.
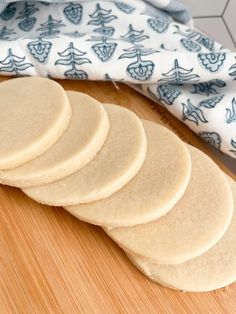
(217, 18)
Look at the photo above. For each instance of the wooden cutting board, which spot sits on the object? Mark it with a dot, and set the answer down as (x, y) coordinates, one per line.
(51, 262)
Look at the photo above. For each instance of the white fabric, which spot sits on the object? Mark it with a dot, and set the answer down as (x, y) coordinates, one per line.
(192, 75)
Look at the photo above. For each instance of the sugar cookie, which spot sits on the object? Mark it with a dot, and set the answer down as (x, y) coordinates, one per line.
(116, 164)
(192, 226)
(212, 270)
(81, 141)
(153, 192)
(34, 112)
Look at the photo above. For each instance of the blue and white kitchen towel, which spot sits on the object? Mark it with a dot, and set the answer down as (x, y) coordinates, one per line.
(133, 42)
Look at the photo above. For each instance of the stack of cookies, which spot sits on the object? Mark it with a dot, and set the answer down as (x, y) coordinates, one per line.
(165, 203)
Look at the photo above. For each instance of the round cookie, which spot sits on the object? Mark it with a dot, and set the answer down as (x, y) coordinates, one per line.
(212, 270)
(154, 190)
(116, 164)
(193, 225)
(81, 141)
(34, 112)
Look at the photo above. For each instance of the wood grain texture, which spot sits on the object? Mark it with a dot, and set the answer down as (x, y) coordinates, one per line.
(51, 262)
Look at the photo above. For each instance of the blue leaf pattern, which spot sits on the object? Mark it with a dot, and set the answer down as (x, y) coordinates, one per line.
(141, 69)
(9, 12)
(192, 113)
(74, 12)
(208, 88)
(14, 64)
(28, 22)
(212, 61)
(212, 138)
(104, 50)
(195, 113)
(126, 8)
(40, 49)
(134, 36)
(230, 115)
(179, 75)
(101, 17)
(196, 36)
(210, 103)
(5, 33)
(190, 45)
(72, 57)
(158, 25)
(168, 93)
(51, 27)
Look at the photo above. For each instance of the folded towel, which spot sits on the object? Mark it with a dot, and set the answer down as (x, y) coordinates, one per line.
(130, 41)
